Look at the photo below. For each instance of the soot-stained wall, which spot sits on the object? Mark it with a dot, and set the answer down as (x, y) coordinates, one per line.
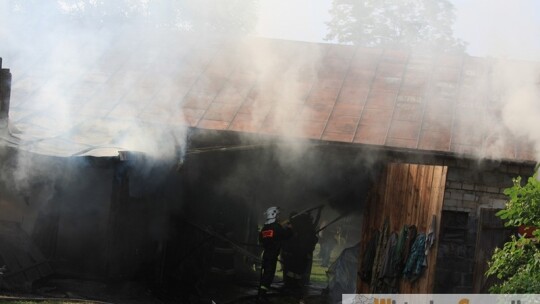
(62, 203)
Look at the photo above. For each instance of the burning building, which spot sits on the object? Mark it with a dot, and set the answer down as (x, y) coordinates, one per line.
(158, 166)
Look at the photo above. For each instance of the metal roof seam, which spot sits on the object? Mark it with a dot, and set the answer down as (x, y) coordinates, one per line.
(367, 96)
(199, 78)
(396, 98)
(344, 78)
(454, 110)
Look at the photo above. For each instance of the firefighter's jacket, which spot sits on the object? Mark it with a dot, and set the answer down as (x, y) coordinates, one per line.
(271, 237)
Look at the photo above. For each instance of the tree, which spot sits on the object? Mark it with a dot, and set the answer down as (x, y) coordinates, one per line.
(226, 17)
(517, 264)
(394, 23)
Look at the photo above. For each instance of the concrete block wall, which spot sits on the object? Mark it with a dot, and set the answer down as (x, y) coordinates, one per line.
(470, 186)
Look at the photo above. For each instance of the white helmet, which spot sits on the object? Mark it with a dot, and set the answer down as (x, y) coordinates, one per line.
(271, 215)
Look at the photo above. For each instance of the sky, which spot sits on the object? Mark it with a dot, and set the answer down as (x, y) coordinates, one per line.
(492, 28)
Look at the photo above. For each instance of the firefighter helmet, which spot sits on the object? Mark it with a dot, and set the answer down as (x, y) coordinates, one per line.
(271, 215)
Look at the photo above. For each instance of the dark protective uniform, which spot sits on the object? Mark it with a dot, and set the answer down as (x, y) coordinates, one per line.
(271, 236)
(297, 254)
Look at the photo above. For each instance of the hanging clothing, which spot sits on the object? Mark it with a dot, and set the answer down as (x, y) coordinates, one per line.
(411, 237)
(368, 258)
(387, 276)
(398, 260)
(416, 261)
(377, 263)
(387, 270)
(430, 240)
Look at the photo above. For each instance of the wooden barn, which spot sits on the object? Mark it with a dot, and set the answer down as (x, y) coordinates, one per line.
(397, 137)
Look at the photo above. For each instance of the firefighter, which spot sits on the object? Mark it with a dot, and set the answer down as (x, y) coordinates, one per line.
(271, 236)
(297, 254)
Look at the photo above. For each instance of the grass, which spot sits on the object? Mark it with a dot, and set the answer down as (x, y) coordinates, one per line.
(318, 272)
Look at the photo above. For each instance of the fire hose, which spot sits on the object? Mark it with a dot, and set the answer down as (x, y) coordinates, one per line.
(301, 213)
(330, 223)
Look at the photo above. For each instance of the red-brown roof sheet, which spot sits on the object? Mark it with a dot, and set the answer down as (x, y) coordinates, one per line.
(367, 96)
(325, 92)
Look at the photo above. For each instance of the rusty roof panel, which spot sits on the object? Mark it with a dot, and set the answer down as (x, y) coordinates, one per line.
(466, 149)
(415, 82)
(470, 136)
(402, 143)
(342, 124)
(395, 56)
(333, 63)
(451, 61)
(311, 129)
(386, 83)
(444, 89)
(220, 111)
(323, 93)
(380, 99)
(437, 122)
(349, 109)
(377, 116)
(341, 137)
(343, 52)
(361, 74)
(393, 70)
(316, 112)
(364, 63)
(374, 134)
(447, 74)
(437, 105)
(409, 97)
(285, 128)
(499, 147)
(213, 124)
(525, 151)
(256, 108)
(353, 95)
(247, 122)
(194, 113)
(408, 112)
(421, 58)
(198, 100)
(331, 92)
(437, 141)
(404, 130)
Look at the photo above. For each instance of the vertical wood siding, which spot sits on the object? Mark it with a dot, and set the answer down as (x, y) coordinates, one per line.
(407, 194)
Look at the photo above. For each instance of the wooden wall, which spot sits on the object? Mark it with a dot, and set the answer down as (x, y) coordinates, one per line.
(406, 194)
(491, 233)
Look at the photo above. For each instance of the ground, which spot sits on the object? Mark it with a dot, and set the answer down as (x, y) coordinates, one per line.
(68, 290)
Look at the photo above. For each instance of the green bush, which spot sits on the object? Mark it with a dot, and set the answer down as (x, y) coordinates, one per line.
(517, 264)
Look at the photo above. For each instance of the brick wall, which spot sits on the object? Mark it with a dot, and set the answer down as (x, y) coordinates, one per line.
(470, 185)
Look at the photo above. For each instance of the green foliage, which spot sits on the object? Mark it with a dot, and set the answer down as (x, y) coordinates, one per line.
(202, 16)
(523, 207)
(389, 23)
(517, 264)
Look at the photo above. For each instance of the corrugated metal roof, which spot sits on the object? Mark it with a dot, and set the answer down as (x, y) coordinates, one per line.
(326, 92)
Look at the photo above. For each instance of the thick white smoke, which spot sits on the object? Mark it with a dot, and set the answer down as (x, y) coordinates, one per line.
(508, 34)
(102, 77)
